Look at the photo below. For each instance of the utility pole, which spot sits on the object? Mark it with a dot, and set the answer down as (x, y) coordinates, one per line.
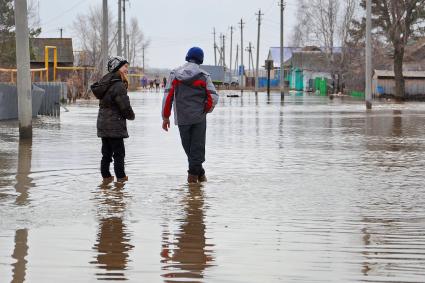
(215, 49)
(258, 51)
(368, 91)
(224, 51)
(282, 58)
(119, 46)
(220, 51)
(231, 51)
(143, 57)
(252, 58)
(128, 49)
(105, 36)
(249, 49)
(61, 30)
(242, 83)
(237, 59)
(125, 29)
(23, 74)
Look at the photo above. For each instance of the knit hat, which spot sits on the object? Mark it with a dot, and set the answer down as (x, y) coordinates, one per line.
(115, 63)
(196, 55)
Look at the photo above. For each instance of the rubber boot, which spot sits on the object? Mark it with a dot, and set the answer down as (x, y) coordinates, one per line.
(192, 179)
(108, 180)
(202, 178)
(122, 180)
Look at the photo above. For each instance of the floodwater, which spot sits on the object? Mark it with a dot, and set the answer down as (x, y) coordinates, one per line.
(301, 190)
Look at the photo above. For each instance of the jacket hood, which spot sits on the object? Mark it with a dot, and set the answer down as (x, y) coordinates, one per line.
(100, 88)
(188, 71)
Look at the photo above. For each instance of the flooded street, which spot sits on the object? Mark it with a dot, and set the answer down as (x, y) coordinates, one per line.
(305, 190)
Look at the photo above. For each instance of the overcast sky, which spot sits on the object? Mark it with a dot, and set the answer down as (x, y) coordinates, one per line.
(173, 26)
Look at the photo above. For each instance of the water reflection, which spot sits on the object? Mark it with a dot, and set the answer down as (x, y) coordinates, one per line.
(351, 208)
(113, 238)
(188, 255)
(19, 254)
(385, 251)
(388, 125)
(367, 265)
(23, 181)
(22, 187)
(397, 124)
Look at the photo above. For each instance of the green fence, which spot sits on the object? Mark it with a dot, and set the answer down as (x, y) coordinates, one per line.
(321, 85)
(299, 80)
(357, 94)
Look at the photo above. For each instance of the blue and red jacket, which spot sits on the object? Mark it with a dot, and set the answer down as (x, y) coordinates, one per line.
(191, 93)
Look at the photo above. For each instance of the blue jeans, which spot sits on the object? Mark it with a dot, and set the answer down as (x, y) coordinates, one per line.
(193, 140)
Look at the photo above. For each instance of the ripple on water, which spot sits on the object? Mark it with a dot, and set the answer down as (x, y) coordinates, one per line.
(301, 190)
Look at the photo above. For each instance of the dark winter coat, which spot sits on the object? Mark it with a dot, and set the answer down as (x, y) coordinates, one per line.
(114, 107)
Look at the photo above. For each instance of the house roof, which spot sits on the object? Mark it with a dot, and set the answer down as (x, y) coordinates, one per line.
(407, 74)
(64, 47)
(274, 53)
(311, 60)
(216, 72)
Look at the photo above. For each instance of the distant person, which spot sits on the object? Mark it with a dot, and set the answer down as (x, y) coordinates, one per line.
(193, 94)
(151, 82)
(144, 82)
(114, 110)
(164, 81)
(72, 90)
(157, 83)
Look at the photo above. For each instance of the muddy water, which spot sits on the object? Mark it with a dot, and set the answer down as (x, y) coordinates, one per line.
(305, 190)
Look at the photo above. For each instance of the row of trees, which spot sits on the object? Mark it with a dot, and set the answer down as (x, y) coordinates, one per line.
(7, 30)
(341, 23)
(88, 30)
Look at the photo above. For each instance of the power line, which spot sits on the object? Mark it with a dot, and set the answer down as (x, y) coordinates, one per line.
(59, 16)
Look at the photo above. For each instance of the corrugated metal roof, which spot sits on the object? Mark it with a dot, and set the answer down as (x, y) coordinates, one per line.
(274, 53)
(407, 74)
(64, 47)
(313, 61)
(216, 72)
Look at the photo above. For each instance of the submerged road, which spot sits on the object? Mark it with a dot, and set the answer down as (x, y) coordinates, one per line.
(305, 190)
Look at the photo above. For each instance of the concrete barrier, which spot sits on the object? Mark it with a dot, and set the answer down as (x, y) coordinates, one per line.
(9, 101)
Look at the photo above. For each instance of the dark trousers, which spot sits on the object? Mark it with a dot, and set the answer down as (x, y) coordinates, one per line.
(112, 148)
(193, 141)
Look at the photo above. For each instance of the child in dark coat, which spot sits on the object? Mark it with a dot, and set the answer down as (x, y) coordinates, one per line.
(114, 111)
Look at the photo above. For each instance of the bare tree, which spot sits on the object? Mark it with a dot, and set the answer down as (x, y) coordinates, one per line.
(324, 22)
(302, 30)
(136, 43)
(345, 26)
(88, 31)
(33, 14)
(349, 13)
(324, 17)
